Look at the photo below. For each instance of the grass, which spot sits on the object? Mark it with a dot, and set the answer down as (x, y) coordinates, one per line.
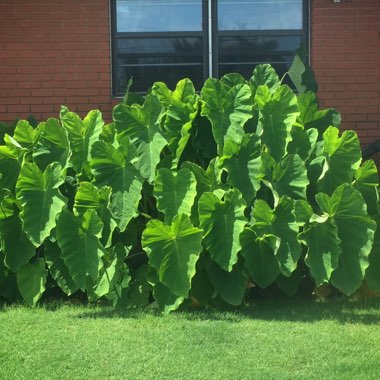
(270, 340)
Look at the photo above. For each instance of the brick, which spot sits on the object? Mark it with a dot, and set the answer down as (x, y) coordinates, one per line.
(43, 108)
(65, 92)
(373, 117)
(10, 100)
(29, 84)
(369, 109)
(54, 100)
(76, 84)
(7, 85)
(19, 108)
(52, 84)
(31, 100)
(100, 99)
(67, 47)
(28, 69)
(43, 92)
(52, 69)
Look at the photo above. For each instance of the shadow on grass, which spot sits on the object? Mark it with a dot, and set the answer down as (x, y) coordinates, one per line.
(285, 310)
(304, 310)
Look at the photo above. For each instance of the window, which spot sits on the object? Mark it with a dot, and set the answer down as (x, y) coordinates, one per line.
(167, 40)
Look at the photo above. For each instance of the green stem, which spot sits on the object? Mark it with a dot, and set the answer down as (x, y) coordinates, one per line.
(145, 215)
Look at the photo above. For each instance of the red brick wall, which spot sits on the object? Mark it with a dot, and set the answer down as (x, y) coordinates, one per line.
(345, 55)
(54, 52)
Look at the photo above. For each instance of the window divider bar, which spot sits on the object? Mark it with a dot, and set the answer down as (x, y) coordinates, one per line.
(210, 52)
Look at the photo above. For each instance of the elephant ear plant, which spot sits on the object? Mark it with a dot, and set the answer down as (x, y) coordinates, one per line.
(189, 197)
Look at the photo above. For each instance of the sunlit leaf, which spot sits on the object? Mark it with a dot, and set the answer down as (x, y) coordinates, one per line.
(40, 198)
(31, 281)
(222, 221)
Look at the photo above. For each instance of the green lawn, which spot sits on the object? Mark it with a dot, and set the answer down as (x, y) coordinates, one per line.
(273, 340)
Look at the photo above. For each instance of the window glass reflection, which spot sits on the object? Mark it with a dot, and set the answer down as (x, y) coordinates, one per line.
(166, 59)
(159, 15)
(259, 14)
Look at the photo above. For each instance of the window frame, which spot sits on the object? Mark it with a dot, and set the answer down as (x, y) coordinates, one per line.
(205, 35)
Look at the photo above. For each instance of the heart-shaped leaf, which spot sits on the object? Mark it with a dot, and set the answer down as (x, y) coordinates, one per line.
(175, 192)
(142, 125)
(222, 222)
(227, 110)
(31, 281)
(78, 238)
(41, 201)
(173, 251)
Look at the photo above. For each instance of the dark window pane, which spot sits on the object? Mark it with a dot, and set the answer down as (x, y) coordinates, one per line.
(144, 77)
(159, 50)
(159, 15)
(257, 49)
(166, 59)
(259, 14)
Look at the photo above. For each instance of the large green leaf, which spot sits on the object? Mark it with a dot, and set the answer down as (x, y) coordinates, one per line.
(264, 74)
(52, 145)
(184, 92)
(115, 280)
(82, 134)
(14, 243)
(372, 274)
(280, 222)
(343, 157)
(201, 132)
(78, 238)
(227, 110)
(204, 183)
(137, 293)
(40, 198)
(201, 287)
(25, 134)
(231, 80)
(347, 209)
(230, 286)
(303, 142)
(301, 74)
(311, 117)
(142, 125)
(278, 113)
(324, 249)
(260, 256)
(112, 167)
(167, 300)
(90, 197)
(243, 164)
(175, 192)
(9, 205)
(222, 222)
(367, 182)
(31, 281)
(173, 251)
(290, 177)
(10, 165)
(181, 109)
(58, 269)
(113, 276)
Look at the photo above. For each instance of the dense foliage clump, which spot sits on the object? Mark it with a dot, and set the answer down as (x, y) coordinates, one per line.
(189, 197)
